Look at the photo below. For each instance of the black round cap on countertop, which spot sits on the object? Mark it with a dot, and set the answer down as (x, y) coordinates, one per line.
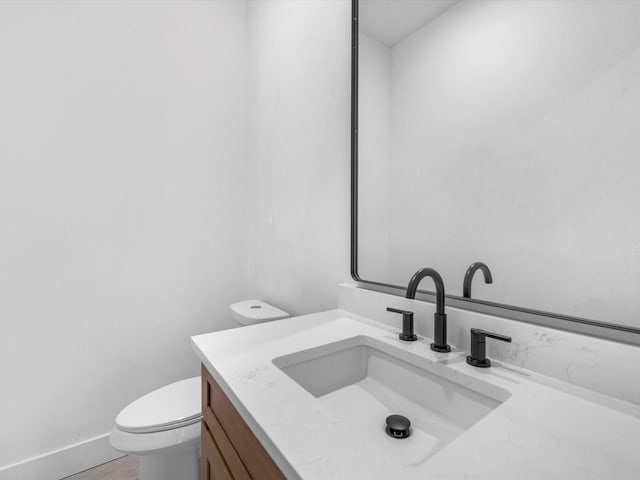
(398, 426)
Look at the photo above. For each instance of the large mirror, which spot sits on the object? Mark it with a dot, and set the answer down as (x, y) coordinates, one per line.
(505, 132)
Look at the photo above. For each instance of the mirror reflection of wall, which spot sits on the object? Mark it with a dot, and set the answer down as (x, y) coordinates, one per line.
(505, 132)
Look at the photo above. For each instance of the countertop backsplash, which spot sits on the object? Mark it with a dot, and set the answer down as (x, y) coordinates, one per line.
(600, 365)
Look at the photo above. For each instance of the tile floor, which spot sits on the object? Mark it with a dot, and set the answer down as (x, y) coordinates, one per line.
(124, 468)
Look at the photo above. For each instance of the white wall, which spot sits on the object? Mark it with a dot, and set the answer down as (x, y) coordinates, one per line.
(514, 137)
(159, 160)
(123, 232)
(299, 151)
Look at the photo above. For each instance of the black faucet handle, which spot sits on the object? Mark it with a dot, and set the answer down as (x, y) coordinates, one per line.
(407, 325)
(483, 333)
(478, 357)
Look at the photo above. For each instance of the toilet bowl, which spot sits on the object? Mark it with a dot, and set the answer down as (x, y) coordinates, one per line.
(163, 427)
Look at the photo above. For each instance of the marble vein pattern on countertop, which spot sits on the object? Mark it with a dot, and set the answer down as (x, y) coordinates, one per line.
(539, 432)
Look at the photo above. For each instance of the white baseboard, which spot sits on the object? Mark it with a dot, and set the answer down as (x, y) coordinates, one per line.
(62, 462)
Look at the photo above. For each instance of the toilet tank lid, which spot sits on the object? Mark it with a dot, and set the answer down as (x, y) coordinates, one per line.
(168, 407)
(248, 312)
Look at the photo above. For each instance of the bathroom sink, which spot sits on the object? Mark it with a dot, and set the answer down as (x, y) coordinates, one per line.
(363, 380)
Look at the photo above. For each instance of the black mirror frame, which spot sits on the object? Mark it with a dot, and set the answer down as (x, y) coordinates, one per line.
(609, 331)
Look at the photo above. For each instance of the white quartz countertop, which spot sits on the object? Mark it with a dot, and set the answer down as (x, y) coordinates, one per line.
(545, 430)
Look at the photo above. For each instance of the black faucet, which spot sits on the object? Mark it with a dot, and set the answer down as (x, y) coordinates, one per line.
(468, 277)
(439, 318)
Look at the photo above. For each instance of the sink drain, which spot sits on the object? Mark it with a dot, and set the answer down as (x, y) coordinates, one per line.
(398, 426)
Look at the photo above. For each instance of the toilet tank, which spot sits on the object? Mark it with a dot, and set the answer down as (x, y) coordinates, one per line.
(249, 312)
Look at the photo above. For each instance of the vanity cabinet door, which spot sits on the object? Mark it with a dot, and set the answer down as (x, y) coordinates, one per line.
(243, 454)
(231, 459)
(212, 466)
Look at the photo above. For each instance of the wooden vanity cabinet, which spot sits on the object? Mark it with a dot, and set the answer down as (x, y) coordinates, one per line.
(230, 450)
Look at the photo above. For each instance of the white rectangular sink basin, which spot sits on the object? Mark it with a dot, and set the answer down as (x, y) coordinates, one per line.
(363, 380)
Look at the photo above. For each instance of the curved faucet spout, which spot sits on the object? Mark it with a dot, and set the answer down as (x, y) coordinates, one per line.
(468, 277)
(437, 279)
(439, 318)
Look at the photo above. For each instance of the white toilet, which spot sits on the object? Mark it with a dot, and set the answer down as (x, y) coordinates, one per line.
(163, 427)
